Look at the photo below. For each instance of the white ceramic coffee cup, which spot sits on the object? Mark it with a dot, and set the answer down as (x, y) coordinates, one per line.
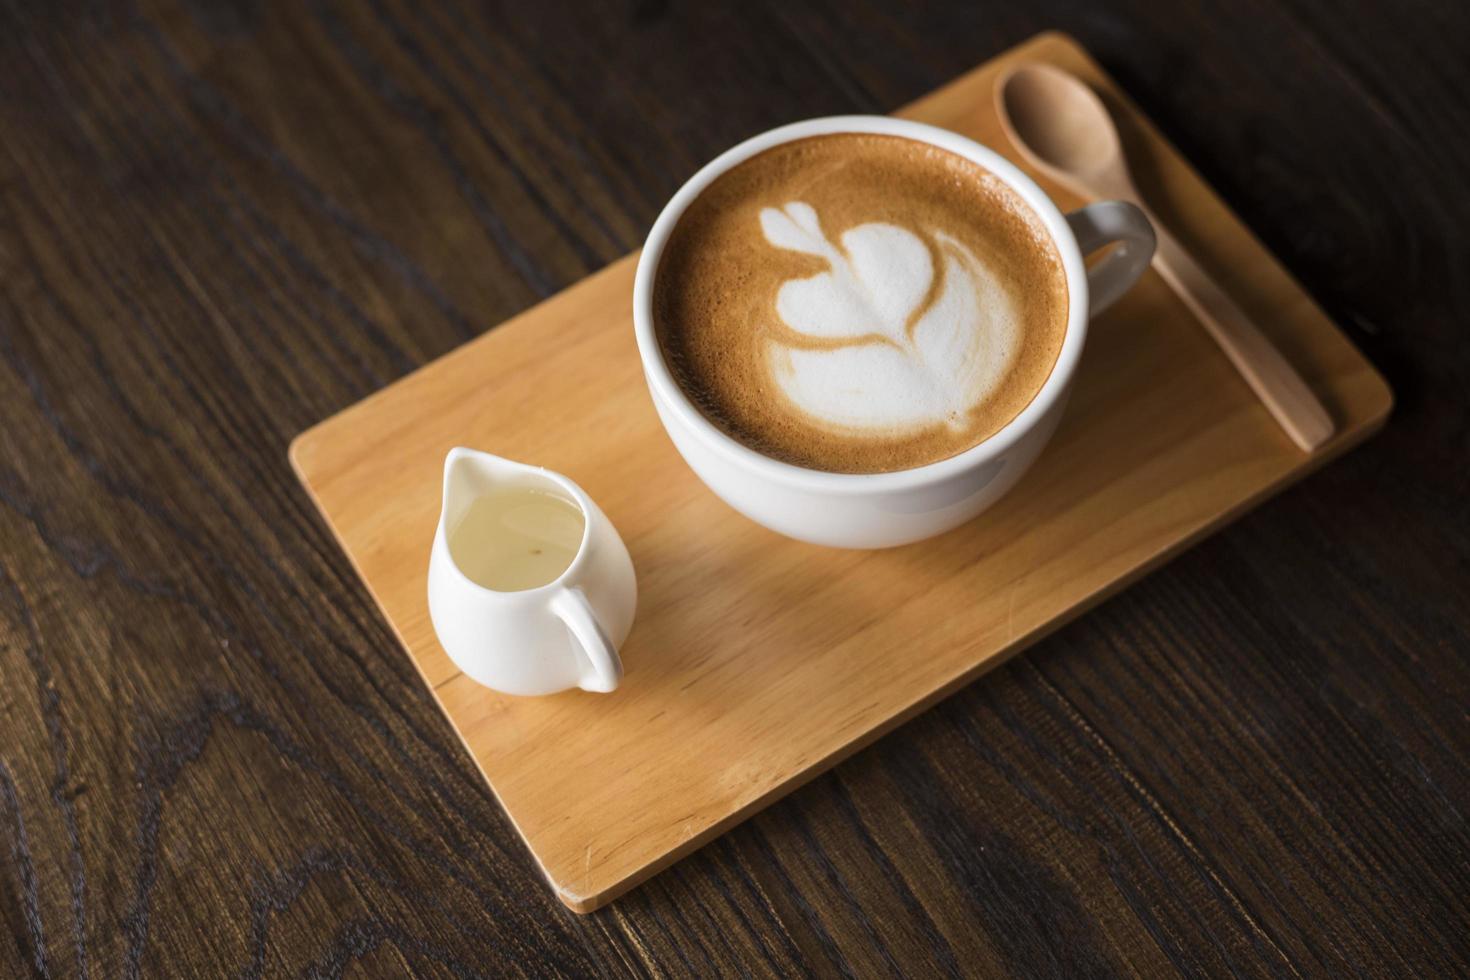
(875, 510)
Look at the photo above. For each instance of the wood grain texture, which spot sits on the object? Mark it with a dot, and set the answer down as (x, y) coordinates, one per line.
(757, 662)
(220, 222)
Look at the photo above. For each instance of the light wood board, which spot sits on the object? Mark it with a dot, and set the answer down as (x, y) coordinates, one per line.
(757, 662)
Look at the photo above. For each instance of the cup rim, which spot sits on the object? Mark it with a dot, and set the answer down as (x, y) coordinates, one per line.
(666, 390)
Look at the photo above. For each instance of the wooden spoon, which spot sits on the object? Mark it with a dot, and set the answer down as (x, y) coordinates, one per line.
(1062, 128)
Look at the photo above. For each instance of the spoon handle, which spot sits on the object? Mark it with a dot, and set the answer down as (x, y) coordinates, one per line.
(1274, 381)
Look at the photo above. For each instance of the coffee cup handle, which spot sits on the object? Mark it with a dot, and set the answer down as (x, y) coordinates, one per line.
(1102, 224)
(606, 667)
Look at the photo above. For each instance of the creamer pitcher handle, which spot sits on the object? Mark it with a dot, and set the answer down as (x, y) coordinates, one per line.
(605, 668)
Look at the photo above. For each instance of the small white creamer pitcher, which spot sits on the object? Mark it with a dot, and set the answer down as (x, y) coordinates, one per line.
(496, 618)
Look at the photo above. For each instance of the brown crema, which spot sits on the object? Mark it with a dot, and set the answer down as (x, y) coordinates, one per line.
(714, 295)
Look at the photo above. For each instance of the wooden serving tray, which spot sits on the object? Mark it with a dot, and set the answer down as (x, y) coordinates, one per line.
(757, 662)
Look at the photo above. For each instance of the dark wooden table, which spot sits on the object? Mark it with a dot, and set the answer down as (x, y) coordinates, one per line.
(221, 222)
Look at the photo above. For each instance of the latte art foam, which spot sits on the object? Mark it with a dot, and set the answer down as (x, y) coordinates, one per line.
(919, 331)
(859, 303)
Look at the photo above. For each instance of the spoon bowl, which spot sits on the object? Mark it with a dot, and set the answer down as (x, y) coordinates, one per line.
(1061, 126)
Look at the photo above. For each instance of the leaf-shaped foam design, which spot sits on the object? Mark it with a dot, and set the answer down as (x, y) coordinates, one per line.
(966, 361)
(891, 271)
(823, 306)
(873, 283)
(957, 352)
(796, 227)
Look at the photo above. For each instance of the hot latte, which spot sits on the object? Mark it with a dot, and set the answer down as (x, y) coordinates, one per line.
(859, 303)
